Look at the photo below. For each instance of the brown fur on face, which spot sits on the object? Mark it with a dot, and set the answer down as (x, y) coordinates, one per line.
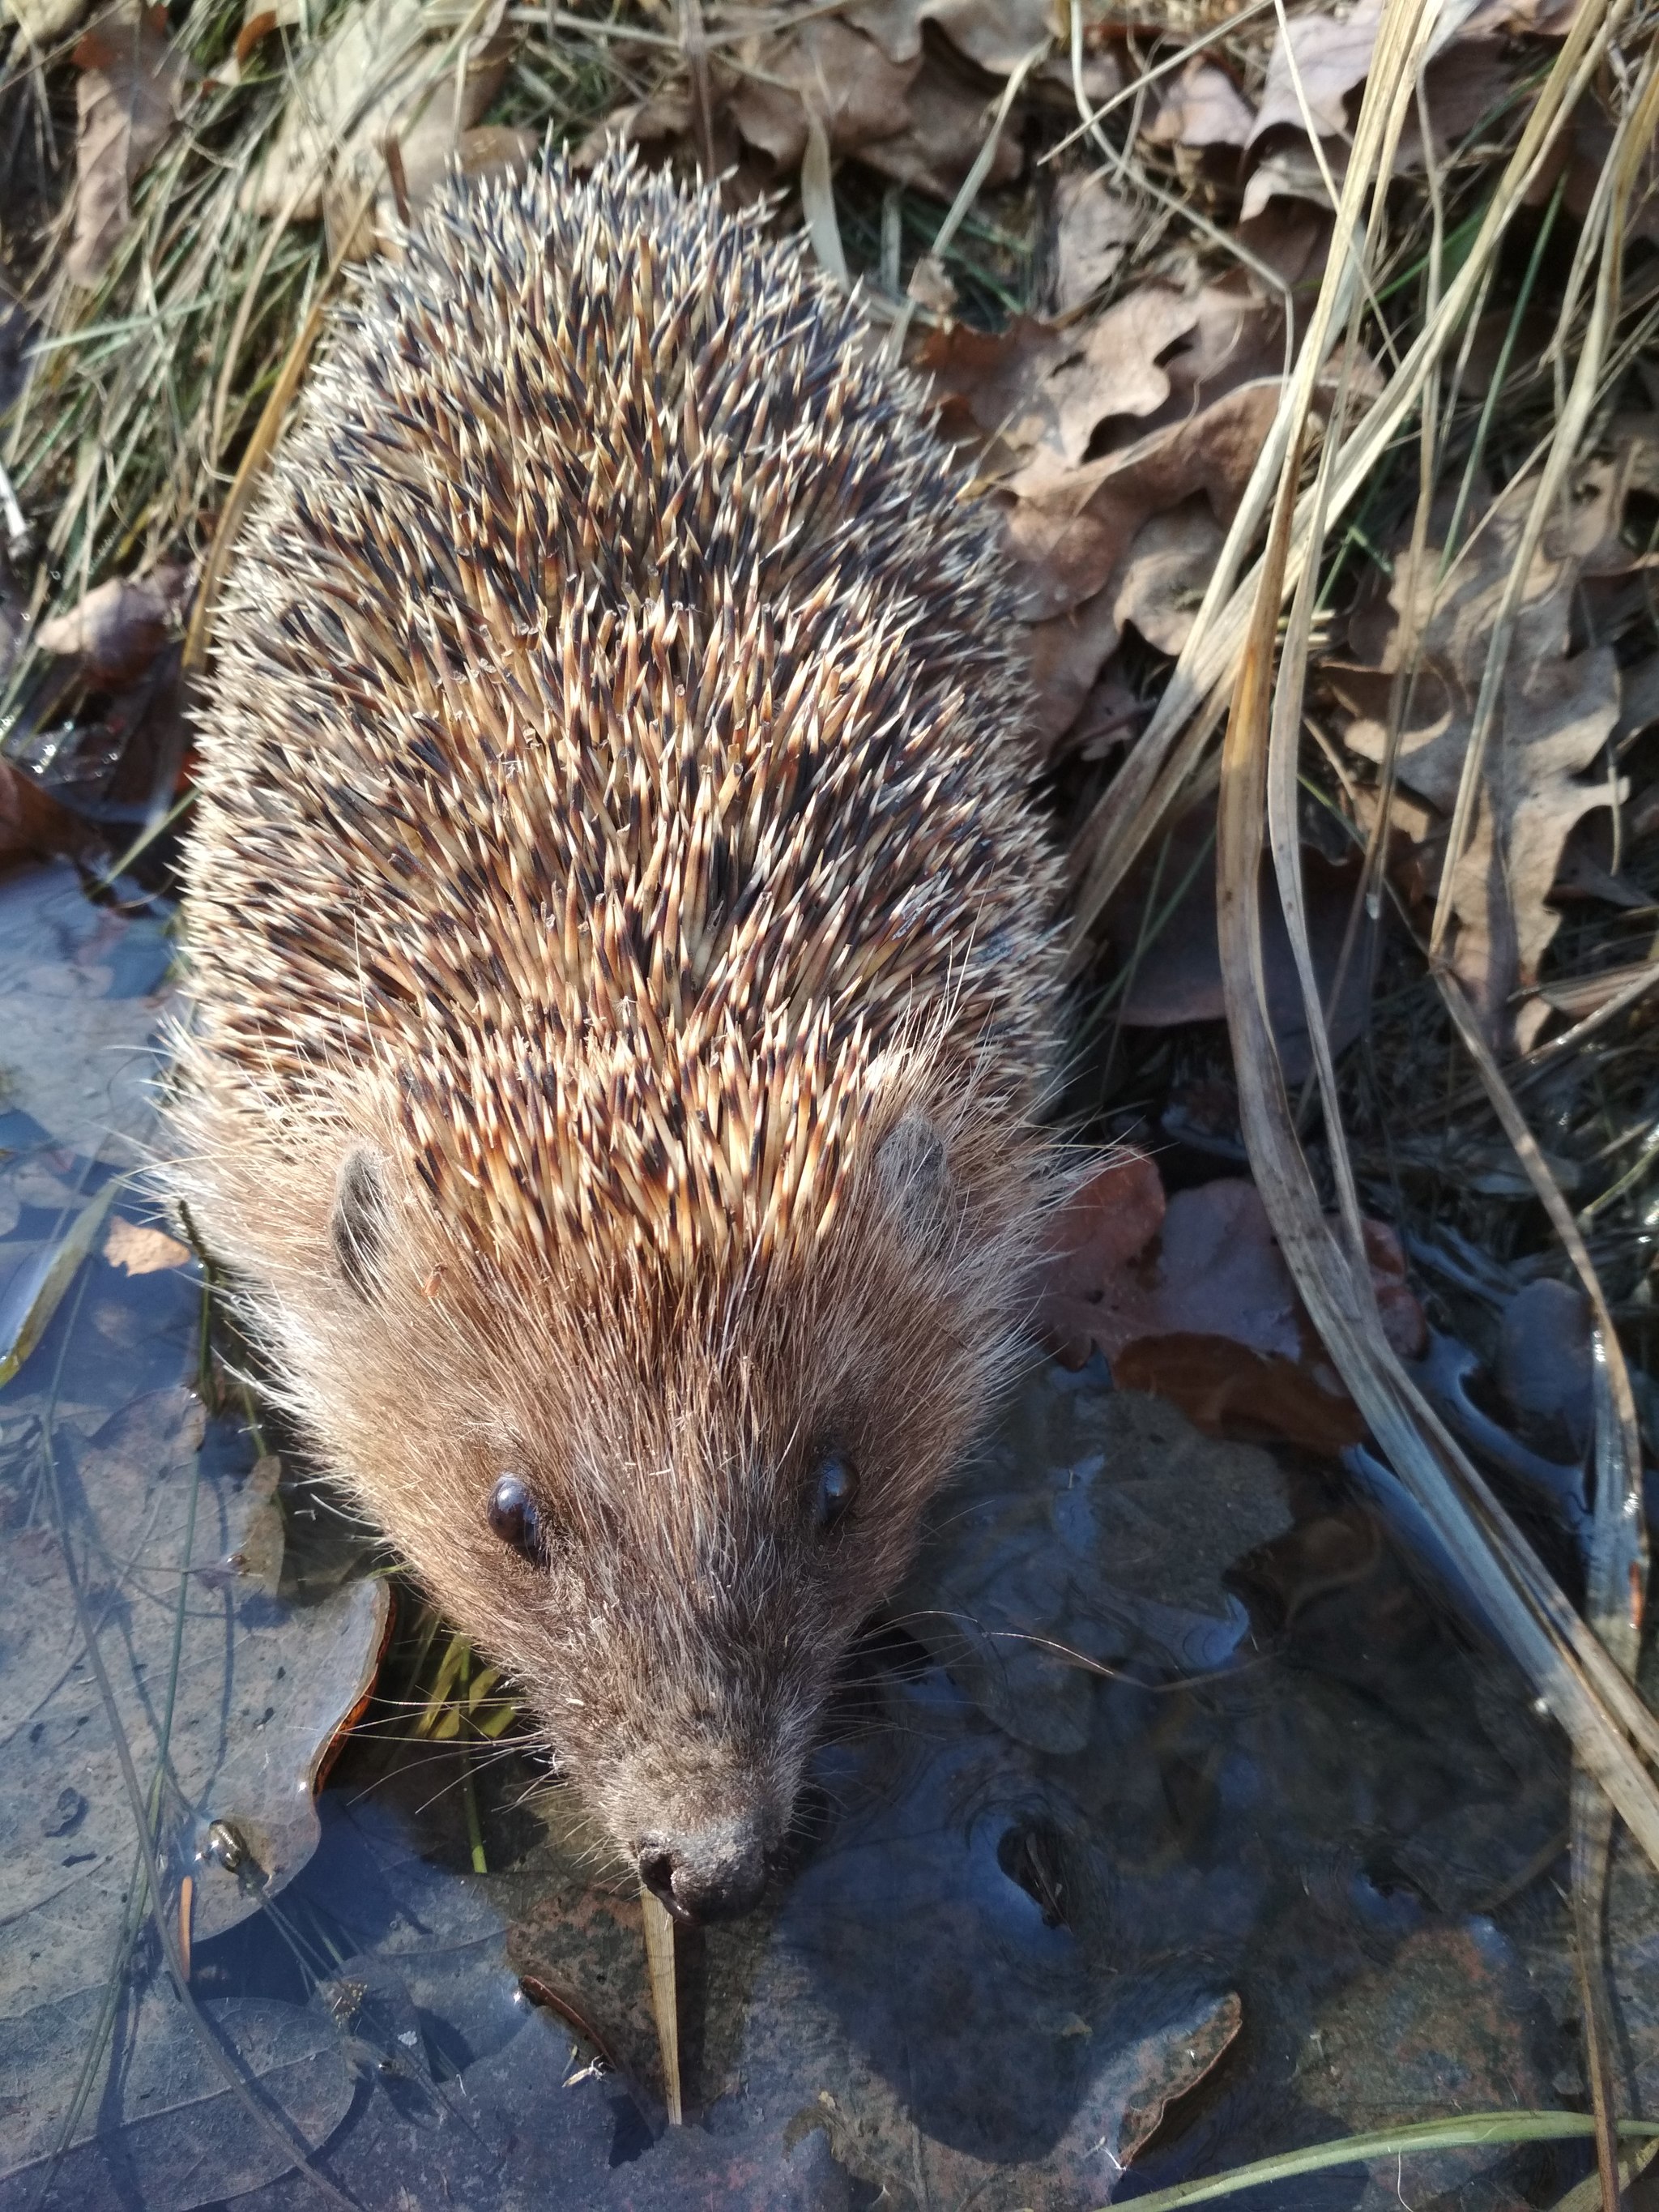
(622, 972)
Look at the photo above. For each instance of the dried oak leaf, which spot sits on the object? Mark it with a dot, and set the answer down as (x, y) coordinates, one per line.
(1176, 970)
(119, 626)
(1555, 716)
(1072, 528)
(1201, 106)
(132, 90)
(1164, 579)
(920, 126)
(996, 34)
(1094, 228)
(848, 83)
(32, 822)
(942, 140)
(373, 81)
(1316, 62)
(1192, 1299)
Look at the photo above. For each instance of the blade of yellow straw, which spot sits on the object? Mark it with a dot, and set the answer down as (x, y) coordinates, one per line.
(664, 1996)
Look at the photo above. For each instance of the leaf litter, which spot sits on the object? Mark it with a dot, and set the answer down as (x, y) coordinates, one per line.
(1132, 318)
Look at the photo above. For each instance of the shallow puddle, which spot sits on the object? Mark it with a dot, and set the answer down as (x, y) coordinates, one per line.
(1172, 1818)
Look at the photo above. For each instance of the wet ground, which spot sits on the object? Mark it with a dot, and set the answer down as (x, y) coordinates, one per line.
(1171, 1818)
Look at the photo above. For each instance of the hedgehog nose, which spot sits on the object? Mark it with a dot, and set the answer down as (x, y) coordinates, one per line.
(713, 1873)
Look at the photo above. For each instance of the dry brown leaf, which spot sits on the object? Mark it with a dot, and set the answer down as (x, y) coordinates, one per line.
(1094, 228)
(140, 1251)
(1169, 568)
(997, 34)
(1328, 56)
(1117, 370)
(949, 120)
(1177, 972)
(1072, 528)
(1157, 355)
(1090, 1284)
(32, 822)
(131, 91)
(1290, 172)
(846, 79)
(375, 81)
(493, 150)
(1556, 716)
(1201, 106)
(990, 387)
(119, 626)
(1088, 430)
(1194, 1299)
(1067, 655)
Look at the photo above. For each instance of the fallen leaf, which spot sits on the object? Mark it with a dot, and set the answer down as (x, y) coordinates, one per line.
(1176, 976)
(1067, 653)
(1094, 228)
(383, 75)
(1200, 105)
(1072, 528)
(131, 91)
(1169, 566)
(1200, 1307)
(1092, 1244)
(996, 34)
(1555, 716)
(989, 385)
(845, 78)
(1289, 172)
(1316, 61)
(1545, 1364)
(33, 822)
(948, 122)
(1118, 368)
(138, 1251)
(1226, 1389)
(119, 626)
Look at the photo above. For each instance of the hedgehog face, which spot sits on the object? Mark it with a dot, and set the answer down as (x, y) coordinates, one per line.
(678, 1514)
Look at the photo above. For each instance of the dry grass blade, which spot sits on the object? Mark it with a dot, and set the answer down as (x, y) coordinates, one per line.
(1615, 187)
(1583, 1685)
(259, 449)
(1614, 1586)
(1215, 647)
(664, 1996)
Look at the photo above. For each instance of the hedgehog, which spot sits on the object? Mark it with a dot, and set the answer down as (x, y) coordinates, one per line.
(623, 971)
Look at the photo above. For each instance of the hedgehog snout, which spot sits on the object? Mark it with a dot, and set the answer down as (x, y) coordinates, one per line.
(713, 1872)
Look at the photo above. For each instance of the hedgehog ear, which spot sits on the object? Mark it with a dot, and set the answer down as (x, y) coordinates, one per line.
(360, 1227)
(913, 1176)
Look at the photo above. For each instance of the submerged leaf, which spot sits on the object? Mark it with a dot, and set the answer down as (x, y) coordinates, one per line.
(31, 1297)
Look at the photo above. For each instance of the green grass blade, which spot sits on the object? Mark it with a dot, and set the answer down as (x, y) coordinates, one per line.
(1468, 2129)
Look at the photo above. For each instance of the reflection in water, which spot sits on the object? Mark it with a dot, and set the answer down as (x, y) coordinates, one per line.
(1167, 1824)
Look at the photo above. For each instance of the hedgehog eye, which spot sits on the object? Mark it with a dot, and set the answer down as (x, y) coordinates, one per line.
(513, 1516)
(832, 1500)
